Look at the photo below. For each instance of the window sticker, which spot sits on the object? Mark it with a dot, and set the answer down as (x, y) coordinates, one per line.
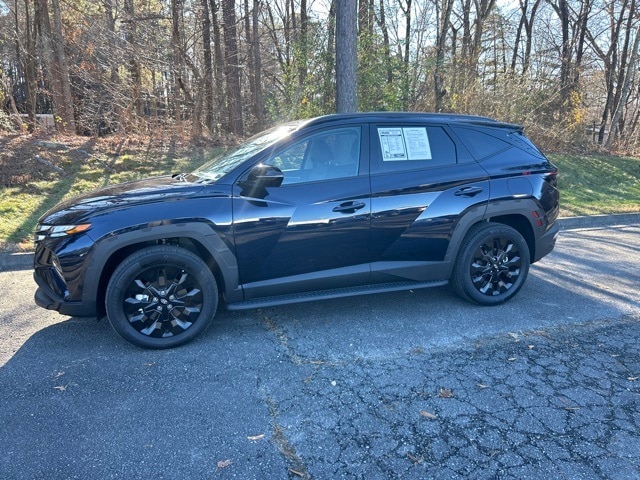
(392, 144)
(408, 143)
(417, 141)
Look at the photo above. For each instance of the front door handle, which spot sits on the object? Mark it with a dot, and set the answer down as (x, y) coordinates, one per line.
(349, 207)
(468, 192)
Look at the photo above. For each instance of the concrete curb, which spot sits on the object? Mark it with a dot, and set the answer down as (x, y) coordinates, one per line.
(595, 221)
(24, 261)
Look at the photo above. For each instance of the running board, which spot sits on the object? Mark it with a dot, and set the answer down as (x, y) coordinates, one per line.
(333, 293)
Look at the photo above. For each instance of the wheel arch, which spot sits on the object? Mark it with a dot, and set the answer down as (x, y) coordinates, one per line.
(515, 213)
(197, 238)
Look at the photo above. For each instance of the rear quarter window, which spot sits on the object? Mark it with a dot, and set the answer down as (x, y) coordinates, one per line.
(480, 144)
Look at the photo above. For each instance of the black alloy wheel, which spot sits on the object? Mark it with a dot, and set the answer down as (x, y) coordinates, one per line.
(161, 296)
(492, 265)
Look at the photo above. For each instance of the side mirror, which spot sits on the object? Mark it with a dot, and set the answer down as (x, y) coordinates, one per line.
(265, 176)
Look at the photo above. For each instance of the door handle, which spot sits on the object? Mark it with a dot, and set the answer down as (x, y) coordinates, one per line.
(349, 207)
(468, 192)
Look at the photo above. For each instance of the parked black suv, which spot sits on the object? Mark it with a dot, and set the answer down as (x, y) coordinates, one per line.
(334, 206)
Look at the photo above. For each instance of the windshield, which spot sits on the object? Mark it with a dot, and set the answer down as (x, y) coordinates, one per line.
(233, 157)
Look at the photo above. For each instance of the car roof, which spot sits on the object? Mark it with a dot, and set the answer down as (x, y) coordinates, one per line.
(448, 118)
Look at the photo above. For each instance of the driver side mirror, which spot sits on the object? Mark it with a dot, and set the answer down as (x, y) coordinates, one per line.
(265, 176)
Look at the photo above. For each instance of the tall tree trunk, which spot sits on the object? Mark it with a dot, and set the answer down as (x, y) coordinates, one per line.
(55, 71)
(208, 66)
(133, 65)
(218, 63)
(257, 69)
(232, 68)
(624, 95)
(64, 105)
(29, 66)
(346, 56)
(444, 16)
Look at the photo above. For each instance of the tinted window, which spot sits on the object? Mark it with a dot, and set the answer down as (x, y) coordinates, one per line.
(412, 147)
(327, 155)
(479, 143)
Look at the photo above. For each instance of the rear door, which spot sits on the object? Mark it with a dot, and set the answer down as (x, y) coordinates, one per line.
(312, 232)
(422, 182)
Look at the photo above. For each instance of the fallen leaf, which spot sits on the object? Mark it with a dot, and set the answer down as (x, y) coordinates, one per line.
(428, 415)
(512, 359)
(224, 463)
(297, 473)
(255, 438)
(445, 393)
(569, 405)
(414, 459)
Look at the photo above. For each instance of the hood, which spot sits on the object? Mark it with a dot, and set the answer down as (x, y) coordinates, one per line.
(146, 191)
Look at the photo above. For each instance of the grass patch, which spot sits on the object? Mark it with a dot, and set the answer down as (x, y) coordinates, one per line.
(597, 184)
(35, 178)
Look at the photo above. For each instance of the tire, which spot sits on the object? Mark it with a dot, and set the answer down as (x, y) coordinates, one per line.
(492, 264)
(161, 297)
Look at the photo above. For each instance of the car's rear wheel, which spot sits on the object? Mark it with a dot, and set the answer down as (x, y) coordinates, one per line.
(161, 296)
(492, 265)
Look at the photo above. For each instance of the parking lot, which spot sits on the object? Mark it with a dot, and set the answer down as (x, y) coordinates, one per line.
(405, 385)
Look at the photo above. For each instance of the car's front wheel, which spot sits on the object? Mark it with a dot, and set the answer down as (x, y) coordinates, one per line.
(492, 264)
(161, 296)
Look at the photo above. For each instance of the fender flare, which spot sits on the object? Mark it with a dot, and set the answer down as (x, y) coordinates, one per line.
(496, 208)
(202, 233)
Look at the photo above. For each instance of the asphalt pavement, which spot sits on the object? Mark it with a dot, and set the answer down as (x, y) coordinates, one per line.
(404, 385)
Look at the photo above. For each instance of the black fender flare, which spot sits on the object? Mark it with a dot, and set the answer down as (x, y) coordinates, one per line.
(202, 233)
(522, 207)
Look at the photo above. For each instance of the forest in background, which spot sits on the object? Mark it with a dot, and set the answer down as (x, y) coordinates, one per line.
(218, 69)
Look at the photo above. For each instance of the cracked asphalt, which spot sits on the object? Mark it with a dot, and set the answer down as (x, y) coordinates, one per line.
(404, 385)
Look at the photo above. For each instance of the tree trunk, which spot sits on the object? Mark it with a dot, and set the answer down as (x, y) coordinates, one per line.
(257, 67)
(232, 68)
(441, 38)
(133, 66)
(346, 56)
(624, 95)
(208, 66)
(64, 105)
(55, 70)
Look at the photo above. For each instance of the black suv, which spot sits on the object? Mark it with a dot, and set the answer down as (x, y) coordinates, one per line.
(329, 207)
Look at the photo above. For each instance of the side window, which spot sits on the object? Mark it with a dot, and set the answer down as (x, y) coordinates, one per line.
(411, 147)
(323, 156)
(480, 144)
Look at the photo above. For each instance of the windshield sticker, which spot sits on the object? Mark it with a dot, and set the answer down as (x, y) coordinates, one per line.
(409, 143)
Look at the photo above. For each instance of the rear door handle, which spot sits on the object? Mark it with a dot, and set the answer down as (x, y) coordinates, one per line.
(468, 192)
(349, 207)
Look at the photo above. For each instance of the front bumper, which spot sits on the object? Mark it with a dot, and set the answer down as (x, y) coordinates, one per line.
(45, 298)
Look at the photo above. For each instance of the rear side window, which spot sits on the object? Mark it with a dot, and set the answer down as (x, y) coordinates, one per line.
(480, 144)
(412, 147)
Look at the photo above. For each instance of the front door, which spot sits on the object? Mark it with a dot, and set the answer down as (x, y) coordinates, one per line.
(311, 232)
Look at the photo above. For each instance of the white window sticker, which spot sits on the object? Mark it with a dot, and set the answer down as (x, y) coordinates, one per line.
(408, 143)
(392, 144)
(417, 141)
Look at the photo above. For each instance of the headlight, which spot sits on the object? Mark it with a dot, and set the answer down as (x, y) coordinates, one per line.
(53, 231)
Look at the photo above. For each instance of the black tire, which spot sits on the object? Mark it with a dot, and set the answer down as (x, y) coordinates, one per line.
(492, 264)
(161, 297)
